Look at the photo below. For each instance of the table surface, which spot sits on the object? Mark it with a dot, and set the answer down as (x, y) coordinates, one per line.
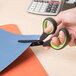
(56, 63)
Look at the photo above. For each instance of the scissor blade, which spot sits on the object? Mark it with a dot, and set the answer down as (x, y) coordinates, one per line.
(37, 43)
(27, 41)
(34, 42)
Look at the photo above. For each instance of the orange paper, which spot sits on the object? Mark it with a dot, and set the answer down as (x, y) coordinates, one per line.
(27, 64)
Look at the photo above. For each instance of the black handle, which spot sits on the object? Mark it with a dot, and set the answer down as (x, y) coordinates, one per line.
(53, 24)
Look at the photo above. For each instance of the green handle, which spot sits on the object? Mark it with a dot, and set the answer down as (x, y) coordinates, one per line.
(66, 40)
(53, 24)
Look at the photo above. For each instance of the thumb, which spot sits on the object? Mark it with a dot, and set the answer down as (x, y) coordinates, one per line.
(58, 18)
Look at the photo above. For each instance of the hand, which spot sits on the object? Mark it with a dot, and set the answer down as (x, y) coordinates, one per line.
(65, 19)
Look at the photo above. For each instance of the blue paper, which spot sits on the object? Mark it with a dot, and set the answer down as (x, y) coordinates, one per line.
(10, 48)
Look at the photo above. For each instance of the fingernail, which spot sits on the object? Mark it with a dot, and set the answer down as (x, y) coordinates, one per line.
(61, 37)
(55, 41)
(48, 23)
(61, 34)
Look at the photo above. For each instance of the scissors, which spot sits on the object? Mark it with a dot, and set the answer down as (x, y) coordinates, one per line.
(44, 35)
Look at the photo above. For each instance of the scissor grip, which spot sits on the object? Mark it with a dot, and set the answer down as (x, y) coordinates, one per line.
(66, 40)
(47, 43)
(53, 24)
(43, 36)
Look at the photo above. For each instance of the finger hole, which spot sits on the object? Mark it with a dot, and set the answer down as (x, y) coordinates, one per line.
(61, 37)
(55, 41)
(49, 27)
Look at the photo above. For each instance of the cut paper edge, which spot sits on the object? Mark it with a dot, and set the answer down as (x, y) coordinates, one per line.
(12, 71)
